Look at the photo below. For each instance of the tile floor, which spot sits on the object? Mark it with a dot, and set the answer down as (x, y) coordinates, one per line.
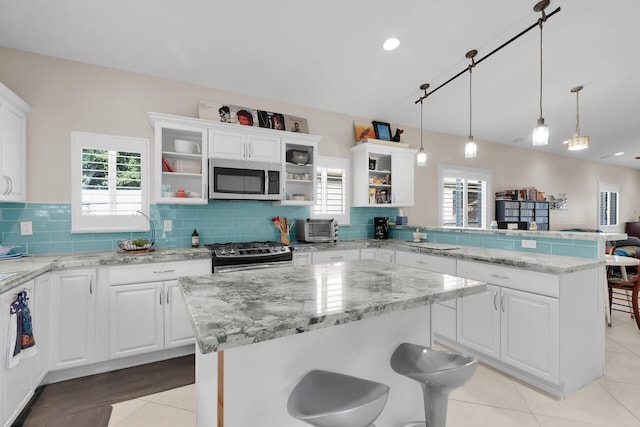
(490, 399)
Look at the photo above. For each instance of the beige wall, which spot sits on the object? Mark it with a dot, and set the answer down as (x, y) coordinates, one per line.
(67, 95)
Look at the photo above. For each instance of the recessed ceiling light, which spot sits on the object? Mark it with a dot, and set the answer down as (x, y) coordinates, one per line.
(391, 44)
(619, 154)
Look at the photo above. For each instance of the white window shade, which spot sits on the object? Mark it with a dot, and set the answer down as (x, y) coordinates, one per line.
(332, 194)
(608, 206)
(464, 197)
(109, 183)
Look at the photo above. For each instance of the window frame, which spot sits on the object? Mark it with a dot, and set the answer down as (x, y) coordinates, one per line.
(465, 173)
(604, 187)
(107, 223)
(334, 163)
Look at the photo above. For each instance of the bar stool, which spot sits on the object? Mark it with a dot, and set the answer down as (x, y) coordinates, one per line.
(624, 282)
(330, 399)
(438, 372)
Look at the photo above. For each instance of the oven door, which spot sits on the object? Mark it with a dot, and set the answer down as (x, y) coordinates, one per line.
(235, 179)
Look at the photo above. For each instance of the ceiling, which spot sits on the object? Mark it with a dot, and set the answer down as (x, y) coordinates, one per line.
(328, 55)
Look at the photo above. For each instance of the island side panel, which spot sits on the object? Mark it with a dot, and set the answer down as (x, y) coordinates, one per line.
(259, 377)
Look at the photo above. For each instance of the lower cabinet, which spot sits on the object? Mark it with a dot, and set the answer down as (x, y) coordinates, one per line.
(518, 328)
(379, 254)
(443, 314)
(516, 322)
(148, 315)
(302, 258)
(325, 257)
(72, 330)
(19, 381)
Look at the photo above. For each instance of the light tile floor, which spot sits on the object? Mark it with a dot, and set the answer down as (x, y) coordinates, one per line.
(490, 399)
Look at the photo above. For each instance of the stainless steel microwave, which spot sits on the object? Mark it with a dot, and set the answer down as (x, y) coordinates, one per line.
(244, 180)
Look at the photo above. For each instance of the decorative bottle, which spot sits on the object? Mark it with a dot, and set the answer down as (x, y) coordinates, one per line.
(195, 239)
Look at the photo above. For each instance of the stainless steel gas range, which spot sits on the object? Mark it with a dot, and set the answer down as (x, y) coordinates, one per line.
(249, 255)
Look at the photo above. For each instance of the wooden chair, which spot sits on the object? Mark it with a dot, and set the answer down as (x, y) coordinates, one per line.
(628, 284)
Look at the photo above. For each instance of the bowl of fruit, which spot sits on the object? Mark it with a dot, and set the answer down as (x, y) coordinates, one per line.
(139, 244)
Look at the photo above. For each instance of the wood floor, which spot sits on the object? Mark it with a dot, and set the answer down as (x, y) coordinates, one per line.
(87, 401)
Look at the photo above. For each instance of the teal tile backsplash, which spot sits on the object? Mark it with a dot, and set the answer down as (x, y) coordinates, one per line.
(218, 221)
(239, 221)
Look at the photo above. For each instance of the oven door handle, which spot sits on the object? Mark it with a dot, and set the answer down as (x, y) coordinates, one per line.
(231, 268)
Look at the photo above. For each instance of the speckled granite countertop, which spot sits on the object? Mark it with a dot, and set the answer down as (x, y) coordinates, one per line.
(26, 268)
(246, 307)
(554, 264)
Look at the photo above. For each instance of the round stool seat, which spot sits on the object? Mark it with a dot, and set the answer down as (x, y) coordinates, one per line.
(330, 399)
(438, 372)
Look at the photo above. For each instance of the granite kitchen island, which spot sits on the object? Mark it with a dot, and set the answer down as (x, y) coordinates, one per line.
(259, 331)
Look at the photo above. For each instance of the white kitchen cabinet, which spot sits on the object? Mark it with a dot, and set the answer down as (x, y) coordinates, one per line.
(242, 145)
(73, 313)
(382, 175)
(443, 314)
(299, 175)
(146, 309)
(41, 318)
(378, 254)
(13, 146)
(326, 257)
(17, 384)
(302, 258)
(181, 166)
(518, 328)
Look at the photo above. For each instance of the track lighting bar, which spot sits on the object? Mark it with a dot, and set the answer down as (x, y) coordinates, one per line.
(523, 32)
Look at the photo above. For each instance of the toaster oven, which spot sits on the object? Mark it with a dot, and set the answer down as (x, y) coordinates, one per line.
(317, 230)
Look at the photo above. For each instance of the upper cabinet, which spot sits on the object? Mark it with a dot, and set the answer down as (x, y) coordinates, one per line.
(299, 171)
(13, 146)
(242, 146)
(382, 175)
(183, 146)
(180, 161)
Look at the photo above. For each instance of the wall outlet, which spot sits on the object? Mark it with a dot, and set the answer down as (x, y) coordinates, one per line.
(531, 244)
(26, 228)
(168, 225)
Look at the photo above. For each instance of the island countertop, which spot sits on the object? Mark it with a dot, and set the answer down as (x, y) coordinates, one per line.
(245, 307)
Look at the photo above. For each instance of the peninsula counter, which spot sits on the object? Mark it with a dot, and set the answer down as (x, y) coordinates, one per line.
(259, 331)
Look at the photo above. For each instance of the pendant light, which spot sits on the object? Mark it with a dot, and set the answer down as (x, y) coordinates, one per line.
(577, 142)
(421, 157)
(541, 132)
(470, 148)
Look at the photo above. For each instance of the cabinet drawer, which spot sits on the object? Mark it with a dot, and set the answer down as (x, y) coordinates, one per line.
(336, 256)
(158, 271)
(514, 278)
(427, 262)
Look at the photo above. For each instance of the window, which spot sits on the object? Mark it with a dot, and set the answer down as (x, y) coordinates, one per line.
(332, 195)
(109, 183)
(464, 196)
(608, 206)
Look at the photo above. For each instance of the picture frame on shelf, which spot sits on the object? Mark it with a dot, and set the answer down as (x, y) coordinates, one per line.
(295, 124)
(382, 130)
(270, 120)
(243, 115)
(363, 131)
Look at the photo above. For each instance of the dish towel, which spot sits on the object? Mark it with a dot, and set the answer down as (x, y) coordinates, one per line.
(21, 342)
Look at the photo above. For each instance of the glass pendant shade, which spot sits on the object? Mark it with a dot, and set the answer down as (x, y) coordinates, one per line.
(421, 157)
(578, 142)
(541, 133)
(470, 149)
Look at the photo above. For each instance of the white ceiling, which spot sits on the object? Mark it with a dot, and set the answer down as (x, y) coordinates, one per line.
(328, 55)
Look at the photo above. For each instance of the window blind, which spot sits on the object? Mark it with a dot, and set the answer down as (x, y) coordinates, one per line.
(330, 191)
